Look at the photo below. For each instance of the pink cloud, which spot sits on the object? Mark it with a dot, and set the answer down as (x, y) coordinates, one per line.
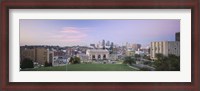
(70, 40)
(70, 34)
(70, 30)
(73, 30)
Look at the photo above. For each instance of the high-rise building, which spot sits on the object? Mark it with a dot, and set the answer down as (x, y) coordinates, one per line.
(108, 43)
(111, 45)
(165, 48)
(103, 44)
(40, 55)
(29, 53)
(136, 46)
(177, 38)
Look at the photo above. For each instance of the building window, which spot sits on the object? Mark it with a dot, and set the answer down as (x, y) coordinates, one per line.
(99, 56)
(93, 56)
(104, 56)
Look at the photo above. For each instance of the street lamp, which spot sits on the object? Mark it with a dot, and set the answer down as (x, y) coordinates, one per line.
(66, 65)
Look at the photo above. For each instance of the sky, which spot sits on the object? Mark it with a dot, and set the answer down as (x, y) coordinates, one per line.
(86, 32)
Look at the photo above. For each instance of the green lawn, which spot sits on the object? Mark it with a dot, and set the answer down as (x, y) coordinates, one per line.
(85, 67)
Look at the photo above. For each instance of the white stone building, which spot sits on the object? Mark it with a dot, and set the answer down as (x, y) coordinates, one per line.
(97, 54)
(165, 48)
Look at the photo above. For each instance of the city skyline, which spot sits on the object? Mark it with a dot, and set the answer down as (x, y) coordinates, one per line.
(86, 32)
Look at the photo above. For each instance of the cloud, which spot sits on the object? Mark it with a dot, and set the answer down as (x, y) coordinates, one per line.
(70, 30)
(70, 34)
(73, 30)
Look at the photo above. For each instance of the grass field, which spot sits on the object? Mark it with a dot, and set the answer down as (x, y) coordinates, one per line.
(85, 67)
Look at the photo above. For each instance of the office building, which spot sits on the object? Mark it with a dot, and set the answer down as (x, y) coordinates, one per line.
(42, 55)
(165, 48)
(177, 36)
(39, 55)
(27, 53)
(108, 43)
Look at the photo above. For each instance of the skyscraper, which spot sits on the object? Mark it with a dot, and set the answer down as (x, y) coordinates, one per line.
(103, 44)
(177, 38)
(165, 48)
(108, 43)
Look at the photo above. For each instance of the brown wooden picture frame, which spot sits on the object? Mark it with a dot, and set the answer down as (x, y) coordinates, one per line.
(100, 4)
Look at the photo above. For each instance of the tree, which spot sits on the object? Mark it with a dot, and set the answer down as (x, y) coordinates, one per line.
(46, 64)
(170, 63)
(27, 63)
(161, 63)
(75, 60)
(71, 60)
(145, 69)
(137, 56)
(129, 60)
(146, 57)
(174, 62)
(147, 63)
(111, 47)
